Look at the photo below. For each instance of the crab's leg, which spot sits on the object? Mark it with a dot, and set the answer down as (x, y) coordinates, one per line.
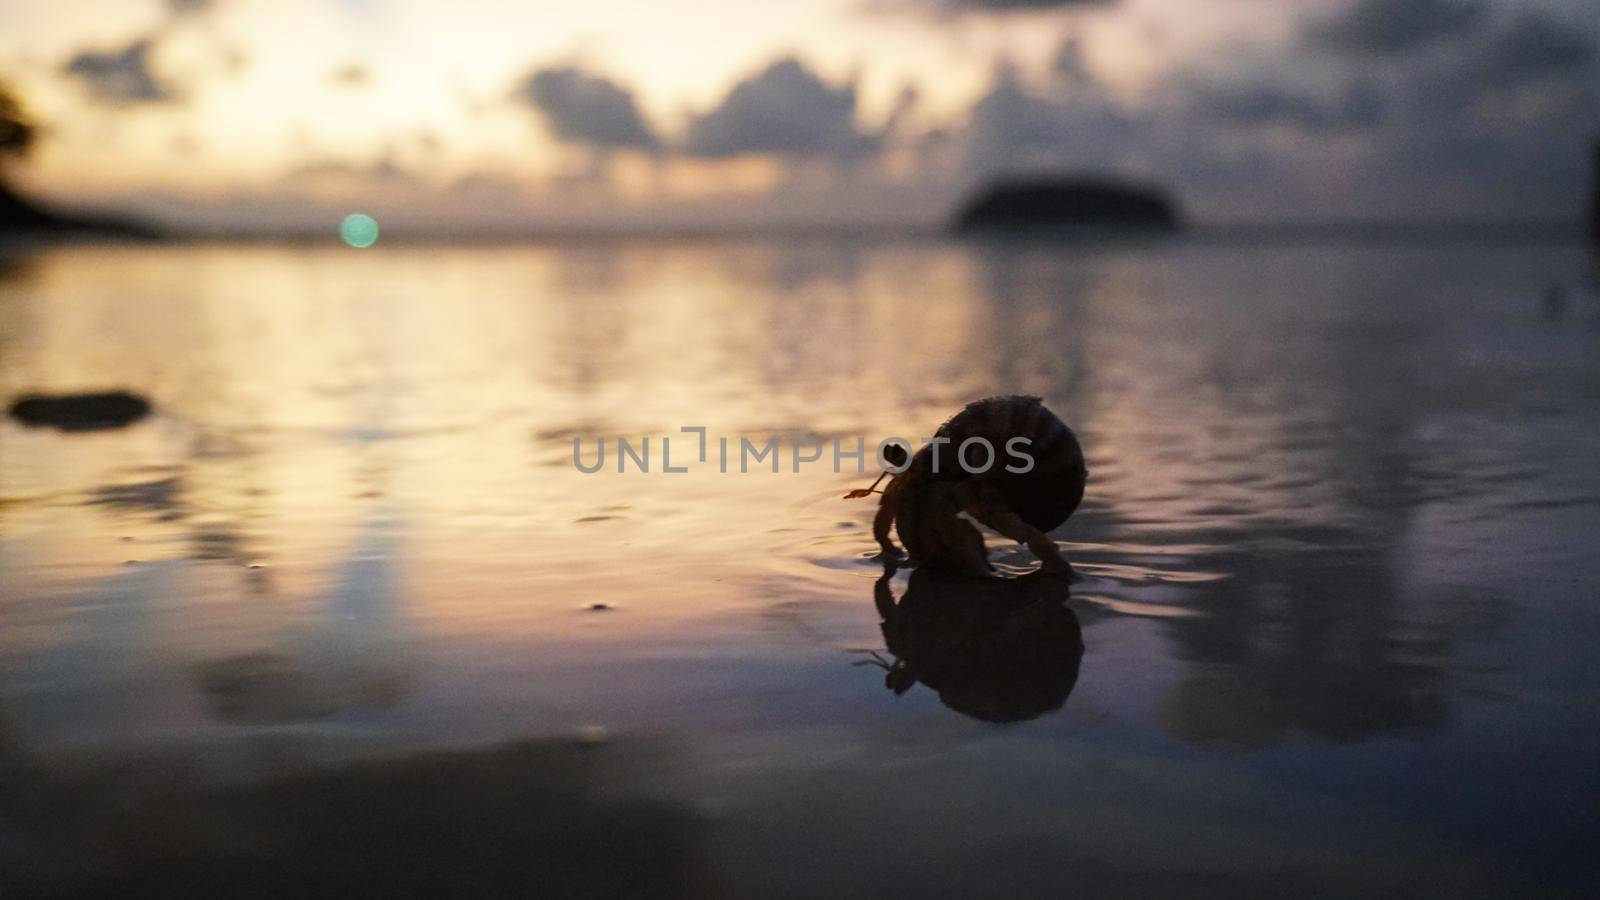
(980, 500)
(884, 520)
(957, 546)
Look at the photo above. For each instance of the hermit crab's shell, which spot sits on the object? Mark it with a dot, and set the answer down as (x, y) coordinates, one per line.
(1045, 495)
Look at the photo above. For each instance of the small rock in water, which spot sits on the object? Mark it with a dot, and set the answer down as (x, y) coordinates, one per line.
(599, 607)
(80, 412)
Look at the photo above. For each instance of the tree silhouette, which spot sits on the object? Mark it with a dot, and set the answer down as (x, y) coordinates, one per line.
(16, 132)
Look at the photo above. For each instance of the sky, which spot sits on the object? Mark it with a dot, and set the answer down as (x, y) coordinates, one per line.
(452, 115)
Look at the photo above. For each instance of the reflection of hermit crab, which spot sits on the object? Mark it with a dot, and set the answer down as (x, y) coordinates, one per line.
(996, 650)
(1035, 482)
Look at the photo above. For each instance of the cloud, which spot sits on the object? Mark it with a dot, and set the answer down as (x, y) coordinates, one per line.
(1360, 106)
(587, 109)
(1378, 27)
(1020, 5)
(1534, 46)
(1015, 127)
(1069, 64)
(1532, 62)
(905, 105)
(350, 75)
(341, 175)
(190, 7)
(1485, 128)
(784, 110)
(488, 185)
(120, 77)
(1204, 142)
(1278, 142)
(980, 7)
(234, 59)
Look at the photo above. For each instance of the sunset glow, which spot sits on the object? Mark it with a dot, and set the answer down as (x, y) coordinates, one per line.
(246, 114)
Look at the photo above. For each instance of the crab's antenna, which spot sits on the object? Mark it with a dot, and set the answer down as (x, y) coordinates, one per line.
(876, 660)
(862, 492)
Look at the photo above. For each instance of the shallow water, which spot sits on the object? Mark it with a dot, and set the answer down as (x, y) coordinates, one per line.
(1337, 592)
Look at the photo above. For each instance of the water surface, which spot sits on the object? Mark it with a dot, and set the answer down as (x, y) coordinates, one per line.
(1336, 583)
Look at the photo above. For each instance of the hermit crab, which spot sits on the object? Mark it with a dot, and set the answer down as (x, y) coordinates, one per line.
(1035, 480)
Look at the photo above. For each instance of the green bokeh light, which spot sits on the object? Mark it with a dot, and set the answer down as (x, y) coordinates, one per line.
(359, 230)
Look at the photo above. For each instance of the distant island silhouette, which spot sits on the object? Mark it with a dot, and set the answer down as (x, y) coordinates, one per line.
(1071, 202)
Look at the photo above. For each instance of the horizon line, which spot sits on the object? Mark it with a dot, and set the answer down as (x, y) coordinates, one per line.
(1541, 229)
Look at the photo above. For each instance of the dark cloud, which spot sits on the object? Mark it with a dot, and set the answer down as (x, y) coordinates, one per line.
(190, 7)
(1485, 130)
(120, 77)
(1485, 150)
(1014, 127)
(125, 78)
(1359, 106)
(339, 170)
(587, 109)
(905, 105)
(488, 185)
(785, 110)
(1394, 26)
(1535, 45)
(1532, 57)
(1177, 136)
(1069, 65)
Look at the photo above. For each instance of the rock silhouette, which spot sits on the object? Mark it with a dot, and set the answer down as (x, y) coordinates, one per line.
(1073, 203)
(81, 412)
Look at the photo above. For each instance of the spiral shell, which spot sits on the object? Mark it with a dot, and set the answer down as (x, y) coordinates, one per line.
(1050, 492)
